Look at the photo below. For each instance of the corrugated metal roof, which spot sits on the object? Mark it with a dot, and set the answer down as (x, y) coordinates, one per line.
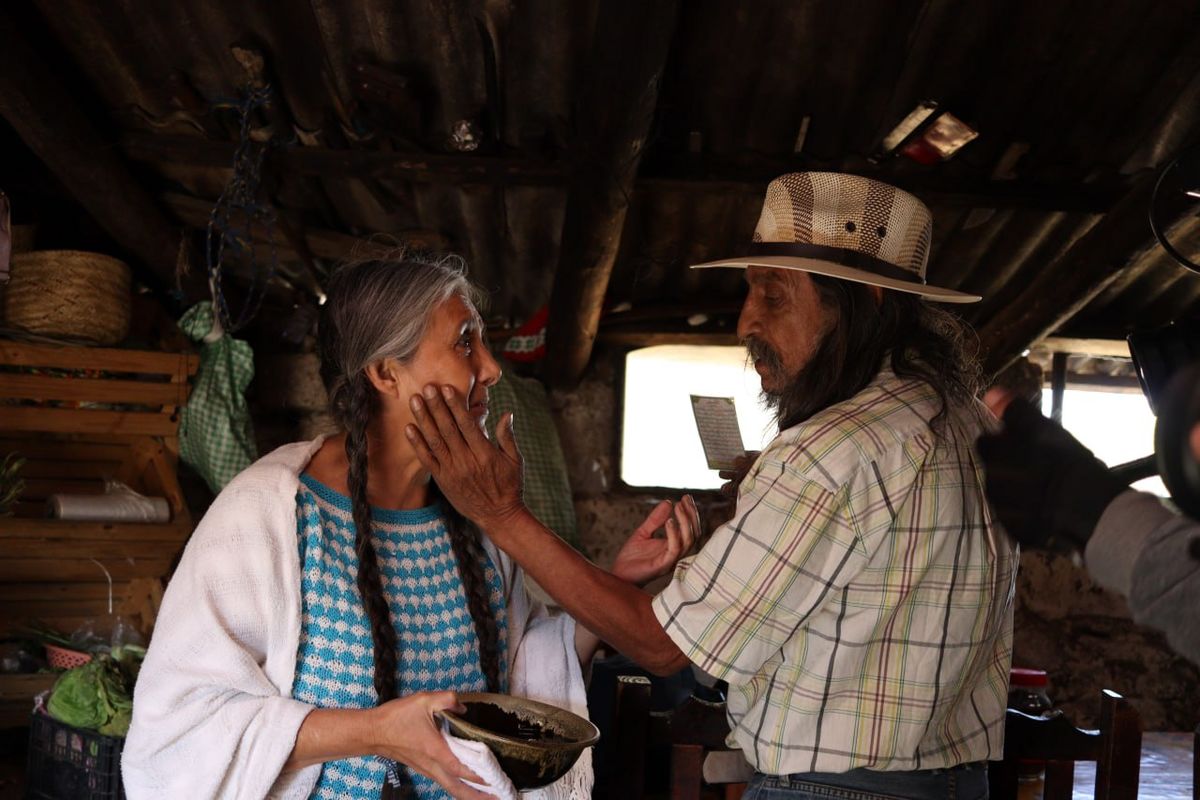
(1091, 92)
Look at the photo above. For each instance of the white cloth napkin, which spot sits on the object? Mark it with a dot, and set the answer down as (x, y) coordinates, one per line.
(476, 757)
(546, 669)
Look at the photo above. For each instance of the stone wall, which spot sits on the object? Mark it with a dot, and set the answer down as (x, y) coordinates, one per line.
(1083, 637)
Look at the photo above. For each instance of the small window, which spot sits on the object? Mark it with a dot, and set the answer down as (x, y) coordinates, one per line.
(659, 444)
(1117, 426)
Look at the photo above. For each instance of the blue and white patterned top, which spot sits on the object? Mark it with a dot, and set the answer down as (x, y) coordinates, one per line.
(439, 649)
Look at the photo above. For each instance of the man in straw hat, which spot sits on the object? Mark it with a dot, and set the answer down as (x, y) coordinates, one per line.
(859, 602)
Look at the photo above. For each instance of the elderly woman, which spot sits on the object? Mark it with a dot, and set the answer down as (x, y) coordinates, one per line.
(331, 600)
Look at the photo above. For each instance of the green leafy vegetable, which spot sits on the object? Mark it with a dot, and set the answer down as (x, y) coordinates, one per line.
(99, 695)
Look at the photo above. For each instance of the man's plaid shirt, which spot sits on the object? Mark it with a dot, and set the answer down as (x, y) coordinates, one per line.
(859, 603)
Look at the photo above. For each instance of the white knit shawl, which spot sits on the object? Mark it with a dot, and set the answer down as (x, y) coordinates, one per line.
(213, 715)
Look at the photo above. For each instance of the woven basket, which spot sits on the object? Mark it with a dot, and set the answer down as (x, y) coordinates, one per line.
(69, 293)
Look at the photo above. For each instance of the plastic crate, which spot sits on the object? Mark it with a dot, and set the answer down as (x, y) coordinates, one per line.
(67, 763)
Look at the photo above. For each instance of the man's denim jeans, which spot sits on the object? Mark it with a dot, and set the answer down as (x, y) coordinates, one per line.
(964, 782)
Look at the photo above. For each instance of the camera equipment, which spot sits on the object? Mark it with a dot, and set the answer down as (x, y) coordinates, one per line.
(1167, 361)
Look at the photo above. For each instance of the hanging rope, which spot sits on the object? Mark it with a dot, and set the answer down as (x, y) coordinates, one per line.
(238, 219)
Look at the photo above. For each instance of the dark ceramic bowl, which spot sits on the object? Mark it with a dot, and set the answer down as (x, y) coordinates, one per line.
(535, 743)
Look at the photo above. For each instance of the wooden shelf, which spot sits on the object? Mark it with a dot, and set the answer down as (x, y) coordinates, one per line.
(79, 417)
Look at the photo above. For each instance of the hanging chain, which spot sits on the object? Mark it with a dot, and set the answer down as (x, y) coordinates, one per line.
(238, 219)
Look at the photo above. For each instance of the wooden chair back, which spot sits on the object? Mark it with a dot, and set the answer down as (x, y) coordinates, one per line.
(1116, 748)
(690, 731)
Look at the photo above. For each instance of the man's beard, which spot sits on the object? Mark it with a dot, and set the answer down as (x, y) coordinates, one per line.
(759, 352)
(792, 393)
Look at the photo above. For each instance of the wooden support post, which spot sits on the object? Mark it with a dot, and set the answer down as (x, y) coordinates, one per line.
(49, 120)
(632, 730)
(687, 762)
(1120, 760)
(616, 108)
(1058, 386)
(1071, 281)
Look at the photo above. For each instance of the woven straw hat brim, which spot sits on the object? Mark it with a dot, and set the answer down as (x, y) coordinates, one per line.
(934, 293)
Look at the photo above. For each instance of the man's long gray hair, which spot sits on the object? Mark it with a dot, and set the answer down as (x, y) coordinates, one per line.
(916, 338)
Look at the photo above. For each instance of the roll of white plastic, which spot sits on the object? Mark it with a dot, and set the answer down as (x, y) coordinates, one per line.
(118, 504)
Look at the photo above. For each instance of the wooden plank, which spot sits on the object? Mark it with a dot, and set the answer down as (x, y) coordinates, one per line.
(108, 359)
(41, 488)
(194, 212)
(750, 176)
(14, 528)
(26, 611)
(1108, 348)
(45, 468)
(617, 102)
(1120, 384)
(156, 475)
(102, 550)
(61, 606)
(54, 449)
(81, 591)
(652, 338)
(461, 170)
(69, 569)
(62, 420)
(95, 390)
(63, 623)
(24, 687)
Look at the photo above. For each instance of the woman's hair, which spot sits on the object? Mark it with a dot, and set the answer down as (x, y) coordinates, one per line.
(917, 338)
(376, 309)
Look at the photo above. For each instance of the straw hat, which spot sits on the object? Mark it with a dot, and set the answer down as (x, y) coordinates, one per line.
(848, 227)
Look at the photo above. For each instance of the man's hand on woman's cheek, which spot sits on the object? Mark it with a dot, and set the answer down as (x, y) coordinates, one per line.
(482, 479)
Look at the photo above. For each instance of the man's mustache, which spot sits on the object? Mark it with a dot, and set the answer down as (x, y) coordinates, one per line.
(759, 350)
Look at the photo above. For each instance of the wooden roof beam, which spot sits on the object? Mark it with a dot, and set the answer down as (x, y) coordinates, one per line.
(1073, 279)
(752, 177)
(194, 212)
(343, 163)
(616, 107)
(48, 119)
(706, 176)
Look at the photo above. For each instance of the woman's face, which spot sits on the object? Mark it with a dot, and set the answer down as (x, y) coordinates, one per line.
(452, 353)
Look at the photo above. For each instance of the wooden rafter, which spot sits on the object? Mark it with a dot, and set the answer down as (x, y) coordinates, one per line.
(616, 109)
(709, 176)
(1073, 279)
(751, 176)
(342, 163)
(194, 211)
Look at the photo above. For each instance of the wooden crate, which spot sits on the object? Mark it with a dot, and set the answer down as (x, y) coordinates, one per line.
(76, 389)
(79, 416)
